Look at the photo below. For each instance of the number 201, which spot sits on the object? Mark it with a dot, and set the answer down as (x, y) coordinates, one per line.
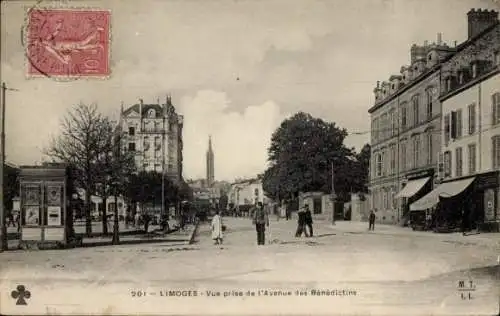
(138, 293)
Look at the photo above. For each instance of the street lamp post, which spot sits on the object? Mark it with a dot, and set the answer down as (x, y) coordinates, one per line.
(333, 195)
(116, 236)
(3, 245)
(3, 228)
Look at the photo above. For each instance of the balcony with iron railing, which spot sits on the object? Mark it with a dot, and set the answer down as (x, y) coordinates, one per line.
(152, 130)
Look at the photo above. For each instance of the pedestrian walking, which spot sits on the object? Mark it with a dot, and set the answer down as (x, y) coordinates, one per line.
(288, 213)
(216, 226)
(146, 218)
(10, 221)
(301, 223)
(308, 220)
(464, 222)
(372, 221)
(136, 220)
(260, 220)
(18, 222)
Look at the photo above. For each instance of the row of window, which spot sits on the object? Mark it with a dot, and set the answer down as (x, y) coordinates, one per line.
(155, 127)
(146, 144)
(385, 197)
(386, 125)
(472, 159)
(453, 122)
(157, 166)
(384, 161)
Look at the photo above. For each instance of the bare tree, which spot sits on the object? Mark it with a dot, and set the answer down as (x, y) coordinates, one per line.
(80, 144)
(114, 166)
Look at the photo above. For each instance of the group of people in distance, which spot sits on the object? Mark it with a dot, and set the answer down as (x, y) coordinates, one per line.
(260, 219)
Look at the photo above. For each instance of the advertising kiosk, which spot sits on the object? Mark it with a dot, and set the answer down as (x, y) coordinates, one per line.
(45, 193)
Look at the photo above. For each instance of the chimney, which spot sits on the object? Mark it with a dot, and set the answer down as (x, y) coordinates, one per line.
(440, 39)
(479, 20)
(455, 43)
(378, 84)
(426, 43)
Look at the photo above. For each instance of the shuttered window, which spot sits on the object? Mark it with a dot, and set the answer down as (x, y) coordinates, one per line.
(472, 158)
(495, 104)
(495, 152)
(459, 161)
(472, 118)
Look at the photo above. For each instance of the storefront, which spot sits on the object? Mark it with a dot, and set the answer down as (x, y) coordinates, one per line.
(417, 185)
(467, 203)
(487, 200)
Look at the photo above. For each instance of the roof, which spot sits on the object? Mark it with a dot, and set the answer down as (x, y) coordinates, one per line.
(145, 108)
(475, 38)
(425, 74)
(247, 181)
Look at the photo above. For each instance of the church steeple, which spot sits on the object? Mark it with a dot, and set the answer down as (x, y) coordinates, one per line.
(210, 163)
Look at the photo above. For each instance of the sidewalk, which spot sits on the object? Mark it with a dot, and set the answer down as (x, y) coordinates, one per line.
(153, 236)
(352, 227)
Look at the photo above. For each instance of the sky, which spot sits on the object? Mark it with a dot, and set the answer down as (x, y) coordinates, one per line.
(235, 69)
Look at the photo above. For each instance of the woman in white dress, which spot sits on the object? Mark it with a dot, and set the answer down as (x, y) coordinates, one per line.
(217, 228)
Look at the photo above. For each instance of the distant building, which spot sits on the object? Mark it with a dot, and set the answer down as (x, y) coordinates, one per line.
(210, 164)
(97, 206)
(246, 192)
(154, 133)
(197, 184)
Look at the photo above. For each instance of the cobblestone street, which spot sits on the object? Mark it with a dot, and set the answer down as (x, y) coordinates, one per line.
(389, 271)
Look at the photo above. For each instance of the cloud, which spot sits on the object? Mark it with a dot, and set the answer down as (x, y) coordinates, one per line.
(240, 140)
(321, 57)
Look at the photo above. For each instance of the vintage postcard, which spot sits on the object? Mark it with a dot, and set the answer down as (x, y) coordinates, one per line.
(250, 157)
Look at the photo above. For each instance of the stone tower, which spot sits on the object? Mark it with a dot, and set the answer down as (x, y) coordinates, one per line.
(210, 163)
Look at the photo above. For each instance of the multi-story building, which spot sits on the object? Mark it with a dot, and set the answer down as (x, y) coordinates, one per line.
(470, 101)
(405, 138)
(154, 133)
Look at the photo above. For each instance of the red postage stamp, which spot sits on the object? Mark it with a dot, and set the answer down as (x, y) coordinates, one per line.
(68, 43)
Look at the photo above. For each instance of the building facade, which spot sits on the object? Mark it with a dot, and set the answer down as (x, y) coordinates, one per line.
(246, 192)
(210, 164)
(470, 98)
(154, 133)
(405, 132)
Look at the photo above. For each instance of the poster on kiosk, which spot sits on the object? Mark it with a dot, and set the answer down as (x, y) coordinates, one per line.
(43, 191)
(54, 214)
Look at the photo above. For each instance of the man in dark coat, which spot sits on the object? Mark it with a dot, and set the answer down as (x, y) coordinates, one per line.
(260, 220)
(308, 220)
(288, 212)
(147, 219)
(301, 223)
(371, 221)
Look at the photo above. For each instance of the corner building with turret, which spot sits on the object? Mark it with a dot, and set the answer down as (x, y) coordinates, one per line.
(154, 133)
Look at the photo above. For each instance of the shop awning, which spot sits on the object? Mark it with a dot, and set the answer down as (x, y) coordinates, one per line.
(412, 188)
(447, 190)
